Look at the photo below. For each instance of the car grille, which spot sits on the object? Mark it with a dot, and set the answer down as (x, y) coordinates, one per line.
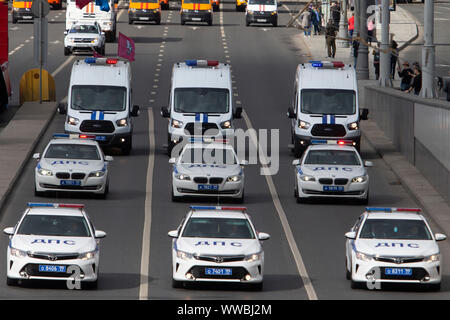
(236, 272)
(67, 175)
(213, 180)
(69, 187)
(399, 260)
(201, 180)
(326, 181)
(63, 175)
(102, 126)
(204, 127)
(220, 259)
(78, 175)
(333, 193)
(417, 274)
(337, 181)
(32, 269)
(328, 130)
(82, 40)
(225, 192)
(53, 256)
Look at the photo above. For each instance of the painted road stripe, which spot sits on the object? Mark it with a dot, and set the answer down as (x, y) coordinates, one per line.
(145, 256)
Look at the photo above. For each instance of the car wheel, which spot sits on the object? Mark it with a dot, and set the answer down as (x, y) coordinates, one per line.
(89, 285)
(11, 282)
(364, 201)
(210, 22)
(177, 284)
(158, 22)
(241, 199)
(301, 200)
(275, 24)
(434, 287)
(298, 149)
(38, 193)
(348, 274)
(183, 22)
(130, 21)
(257, 286)
(66, 51)
(14, 21)
(174, 197)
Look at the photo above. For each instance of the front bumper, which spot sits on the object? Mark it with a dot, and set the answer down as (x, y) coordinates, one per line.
(191, 188)
(144, 15)
(82, 46)
(22, 14)
(193, 270)
(305, 140)
(261, 17)
(311, 189)
(111, 140)
(372, 272)
(198, 16)
(87, 184)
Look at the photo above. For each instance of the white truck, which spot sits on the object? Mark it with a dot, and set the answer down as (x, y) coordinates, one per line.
(91, 12)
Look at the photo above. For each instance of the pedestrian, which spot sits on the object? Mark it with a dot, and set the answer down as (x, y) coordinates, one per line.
(351, 25)
(405, 75)
(416, 79)
(330, 38)
(376, 61)
(394, 56)
(306, 23)
(316, 20)
(336, 14)
(355, 47)
(370, 30)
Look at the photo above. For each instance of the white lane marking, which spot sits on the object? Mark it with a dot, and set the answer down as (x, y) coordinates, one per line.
(145, 256)
(65, 63)
(284, 221)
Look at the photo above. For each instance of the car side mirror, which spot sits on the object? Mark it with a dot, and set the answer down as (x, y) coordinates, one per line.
(351, 235)
(263, 236)
(364, 114)
(440, 237)
(243, 162)
(62, 108)
(296, 162)
(238, 113)
(173, 234)
(66, 32)
(109, 158)
(172, 160)
(135, 111)
(165, 112)
(291, 113)
(99, 234)
(368, 164)
(37, 156)
(9, 231)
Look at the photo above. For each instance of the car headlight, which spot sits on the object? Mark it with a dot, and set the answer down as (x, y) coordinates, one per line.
(72, 121)
(235, 178)
(122, 122)
(18, 253)
(360, 179)
(307, 178)
(274, 12)
(176, 123)
(87, 255)
(156, 11)
(181, 176)
(96, 174)
(253, 257)
(303, 124)
(363, 256)
(226, 124)
(133, 9)
(250, 11)
(94, 41)
(209, 11)
(44, 172)
(185, 10)
(353, 126)
(15, 9)
(184, 255)
(432, 258)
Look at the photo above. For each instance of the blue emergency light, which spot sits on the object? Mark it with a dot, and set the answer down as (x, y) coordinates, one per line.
(201, 63)
(54, 205)
(218, 208)
(379, 209)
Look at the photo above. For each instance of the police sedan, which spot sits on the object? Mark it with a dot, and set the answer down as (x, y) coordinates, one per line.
(217, 244)
(331, 168)
(54, 242)
(72, 163)
(393, 245)
(208, 170)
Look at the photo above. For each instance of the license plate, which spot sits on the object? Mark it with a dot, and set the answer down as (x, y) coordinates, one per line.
(144, 18)
(261, 20)
(208, 187)
(398, 272)
(333, 188)
(196, 19)
(70, 183)
(51, 268)
(218, 272)
(103, 138)
(28, 17)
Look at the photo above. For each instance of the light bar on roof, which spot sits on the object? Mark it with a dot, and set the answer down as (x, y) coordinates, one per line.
(202, 63)
(207, 140)
(378, 209)
(101, 61)
(55, 205)
(218, 208)
(327, 64)
(76, 136)
(335, 142)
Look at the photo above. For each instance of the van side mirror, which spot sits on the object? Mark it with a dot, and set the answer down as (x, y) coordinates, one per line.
(291, 114)
(165, 112)
(37, 156)
(364, 114)
(440, 237)
(351, 235)
(135, 111)
(66, 32)
(173, 234)
(296, 162)
(62, 108)
(238, 113)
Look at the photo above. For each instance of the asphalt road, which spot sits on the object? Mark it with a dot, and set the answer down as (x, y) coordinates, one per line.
(135, 256)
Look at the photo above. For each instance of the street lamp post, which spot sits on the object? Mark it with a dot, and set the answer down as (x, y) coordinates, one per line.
(343, 26)
(362, 61)
(385, 55)
(428, 52)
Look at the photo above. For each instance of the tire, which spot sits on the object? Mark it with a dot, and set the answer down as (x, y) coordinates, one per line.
(130, 21)
(103, 50)
(348, 274)
(241, 199)
(434, 287)
(257, 286)
(183, 22)
(12, 282)
(177, 284)
(300, 200)
(126, 149)
(364, 201)
(14, 21)
(66, 51)
(355, 285)
(38, 193)
(210, 22)
(89, 285)
(247, 23)
(298, 149)
(275, 23)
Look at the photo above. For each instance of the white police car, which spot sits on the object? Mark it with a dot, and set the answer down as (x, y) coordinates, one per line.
(84, 36)
(53, 242)
(208, 170)
(393, 245)
(217, 244)
(331, 168)
(72, 162)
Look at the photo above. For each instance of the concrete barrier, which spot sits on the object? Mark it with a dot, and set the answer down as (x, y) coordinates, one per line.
(419, 129)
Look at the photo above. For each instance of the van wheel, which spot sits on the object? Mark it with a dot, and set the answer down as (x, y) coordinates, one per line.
(210, 22)
(298, 149)
(66, 51)
(11, 282)
(183, 22)
(14, 21)
(130, 21)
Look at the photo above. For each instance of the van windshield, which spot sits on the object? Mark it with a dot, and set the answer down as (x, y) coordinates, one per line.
(264, 2)
(99, 98)
(328, 101)
(145, 1)
(196, 1)
(201, 100)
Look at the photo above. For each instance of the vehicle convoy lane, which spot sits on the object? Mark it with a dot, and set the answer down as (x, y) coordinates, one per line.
(263, 61)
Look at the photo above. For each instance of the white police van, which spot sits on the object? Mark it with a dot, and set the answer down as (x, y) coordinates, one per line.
(325, 104)
(100, 102)
(200, 102)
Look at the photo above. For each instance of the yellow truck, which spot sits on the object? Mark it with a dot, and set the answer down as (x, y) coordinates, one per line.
(144, 10)
(196, 11)
(21, 10)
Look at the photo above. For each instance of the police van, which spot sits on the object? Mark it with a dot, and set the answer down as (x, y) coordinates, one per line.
(100, 102)
(325, 105)
(200, 102)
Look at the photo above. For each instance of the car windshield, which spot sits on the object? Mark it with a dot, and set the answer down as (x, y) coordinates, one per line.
(72, 151)
(208, 156)
(265, 2)
(395, 229)
(146, 1)
(328, 101)
(53, 225)
(336, 157)
(218, 228)
(201, 100)
(99, 98)
(84, 29)
(196, 1)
